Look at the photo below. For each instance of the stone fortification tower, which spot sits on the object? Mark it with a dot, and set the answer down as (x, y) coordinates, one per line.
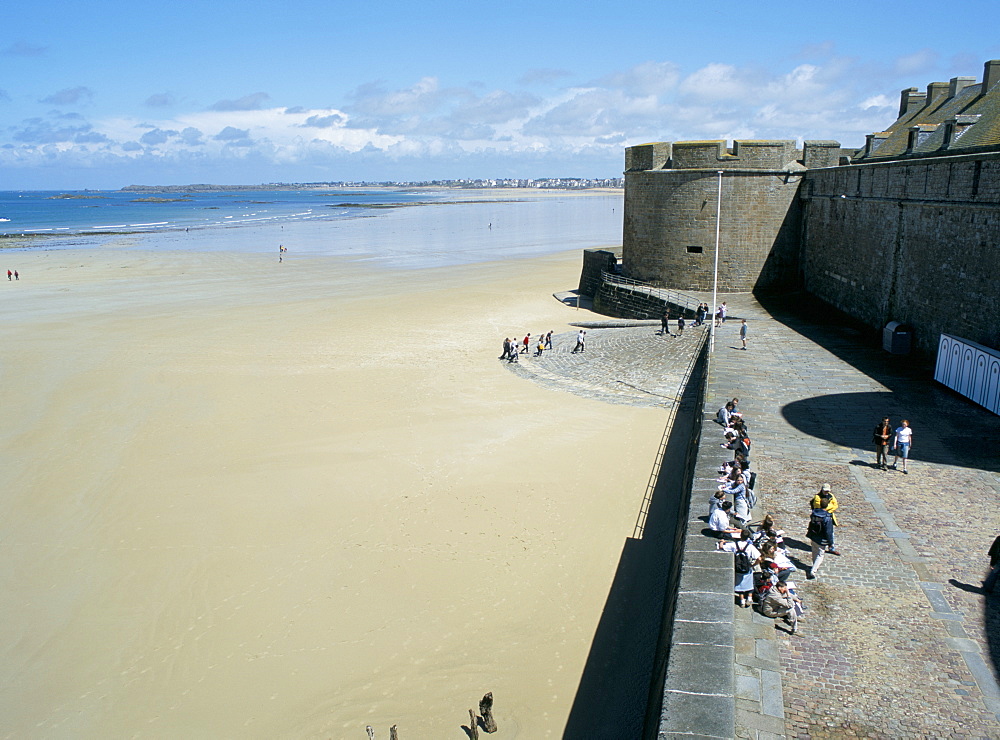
(670, 211)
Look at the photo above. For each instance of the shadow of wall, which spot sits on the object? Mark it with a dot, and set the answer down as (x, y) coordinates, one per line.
(625, 665)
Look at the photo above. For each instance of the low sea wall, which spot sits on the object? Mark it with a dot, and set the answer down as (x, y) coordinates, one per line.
(694, 691)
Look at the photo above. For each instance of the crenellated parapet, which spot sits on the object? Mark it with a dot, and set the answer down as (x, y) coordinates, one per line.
(655, 156)
(817, 154)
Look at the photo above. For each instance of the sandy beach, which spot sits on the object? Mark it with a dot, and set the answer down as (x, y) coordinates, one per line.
(244, 499)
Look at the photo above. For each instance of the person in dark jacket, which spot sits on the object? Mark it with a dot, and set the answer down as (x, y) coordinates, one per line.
(880, 438)
(990, 584)
(820, 534)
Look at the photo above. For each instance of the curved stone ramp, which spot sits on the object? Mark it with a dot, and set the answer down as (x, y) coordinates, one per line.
(625, 362)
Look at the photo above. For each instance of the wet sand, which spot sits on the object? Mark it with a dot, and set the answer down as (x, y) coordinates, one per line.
(243, 499)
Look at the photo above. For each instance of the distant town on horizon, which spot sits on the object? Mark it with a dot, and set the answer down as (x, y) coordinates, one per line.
(549, 183)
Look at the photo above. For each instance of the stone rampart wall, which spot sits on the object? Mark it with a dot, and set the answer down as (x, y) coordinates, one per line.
(917, 242)
(669, 229)
(596, 261)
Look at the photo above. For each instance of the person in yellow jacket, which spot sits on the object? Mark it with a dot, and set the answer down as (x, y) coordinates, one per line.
(828, 502)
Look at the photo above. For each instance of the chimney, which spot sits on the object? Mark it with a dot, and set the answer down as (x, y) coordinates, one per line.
(958, 84)
(991, 74)
(935, 91)
(910, 99)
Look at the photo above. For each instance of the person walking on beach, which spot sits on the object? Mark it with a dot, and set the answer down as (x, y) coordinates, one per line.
(541, 345)
(548, 340)
(527, 341)
(581, 340)
(16, 276)
(901, 444)
(9, 273)
(880, 438)
(506, 348)
(743, 333)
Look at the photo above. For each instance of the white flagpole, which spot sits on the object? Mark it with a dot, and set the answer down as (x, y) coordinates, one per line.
(715, 278)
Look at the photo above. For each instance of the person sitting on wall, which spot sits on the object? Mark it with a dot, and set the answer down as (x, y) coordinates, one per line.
(718, 498)
(776, 560)
(738, 490)
(719, 521)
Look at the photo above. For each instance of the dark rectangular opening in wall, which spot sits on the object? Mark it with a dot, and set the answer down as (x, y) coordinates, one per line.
(695, 250)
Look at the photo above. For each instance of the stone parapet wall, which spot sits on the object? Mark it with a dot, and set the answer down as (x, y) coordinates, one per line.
(765, 155)
(654, 156)
(911, 241)
(698, 698)
(596, 261)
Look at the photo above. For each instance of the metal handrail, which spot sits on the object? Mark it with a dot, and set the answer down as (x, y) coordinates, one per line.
(671, 296)
(654, 475)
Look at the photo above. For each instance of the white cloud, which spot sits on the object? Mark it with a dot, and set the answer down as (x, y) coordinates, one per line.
(427, 121)
(915, 63)
(716, 82)
(877, 101)
(247, 102)
(69, 96)
(160, 100)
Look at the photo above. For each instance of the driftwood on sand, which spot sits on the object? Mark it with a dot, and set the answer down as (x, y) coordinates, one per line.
(486, 712)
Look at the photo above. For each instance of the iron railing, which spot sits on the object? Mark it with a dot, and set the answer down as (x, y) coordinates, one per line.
(670, 296)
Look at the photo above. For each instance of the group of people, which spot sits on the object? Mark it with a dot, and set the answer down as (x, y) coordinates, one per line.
(702, 312)
(13, 274)
(763, 567)
(665, 324)
(902, 439)
(512, 347)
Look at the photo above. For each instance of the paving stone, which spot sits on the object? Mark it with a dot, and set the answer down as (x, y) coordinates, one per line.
(888, 623)
(748, 687)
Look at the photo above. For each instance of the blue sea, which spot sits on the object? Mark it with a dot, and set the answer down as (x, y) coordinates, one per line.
(401, 227)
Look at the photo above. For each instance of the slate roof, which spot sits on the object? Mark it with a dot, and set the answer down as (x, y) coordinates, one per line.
(931, 117)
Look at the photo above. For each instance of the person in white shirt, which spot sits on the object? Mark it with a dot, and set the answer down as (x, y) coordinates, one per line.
(901, 443)
(718, 522)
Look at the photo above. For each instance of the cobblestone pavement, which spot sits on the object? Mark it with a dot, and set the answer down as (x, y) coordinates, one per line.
(898, 640)
(632, 365)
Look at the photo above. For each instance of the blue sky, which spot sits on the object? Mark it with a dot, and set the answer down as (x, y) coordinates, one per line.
(104, 94)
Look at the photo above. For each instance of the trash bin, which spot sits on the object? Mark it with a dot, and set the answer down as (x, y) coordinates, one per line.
(896, 338)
